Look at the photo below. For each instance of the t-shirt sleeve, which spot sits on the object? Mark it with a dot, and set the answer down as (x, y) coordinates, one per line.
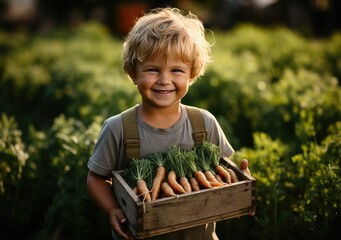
(216, 135)
(106, 153)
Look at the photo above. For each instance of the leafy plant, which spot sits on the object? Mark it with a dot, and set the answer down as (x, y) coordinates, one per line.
(12, 153)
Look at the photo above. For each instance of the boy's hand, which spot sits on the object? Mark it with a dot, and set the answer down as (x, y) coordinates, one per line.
(118, 223)
(244, 166)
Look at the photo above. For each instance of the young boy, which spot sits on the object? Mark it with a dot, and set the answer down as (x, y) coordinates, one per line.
(164, 53)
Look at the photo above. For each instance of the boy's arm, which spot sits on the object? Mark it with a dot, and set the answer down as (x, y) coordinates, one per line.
(100, 190)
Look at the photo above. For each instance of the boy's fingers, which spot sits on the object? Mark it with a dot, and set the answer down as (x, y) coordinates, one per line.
(119, 226)
(244, 166)
(119, 229)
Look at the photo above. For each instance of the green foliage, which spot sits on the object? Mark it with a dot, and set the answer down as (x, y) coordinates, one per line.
(12, 153)
(269, 168)
(275, 93)
(320, 203)
(72, 147)
(64, 72)
(307, 184)
(264, 80)
(13, 157)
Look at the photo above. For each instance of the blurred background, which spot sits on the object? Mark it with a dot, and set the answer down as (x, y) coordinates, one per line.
(274, 87)
(315, 17)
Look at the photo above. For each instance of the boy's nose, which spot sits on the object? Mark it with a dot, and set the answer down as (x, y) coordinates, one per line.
(164, 79)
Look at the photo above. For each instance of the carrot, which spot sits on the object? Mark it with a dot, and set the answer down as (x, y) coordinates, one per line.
(234, 177)
(194, 171)
(209, 158)
(212, 180)
(135, 190)
(143, 190)
(223, 173)
(209, 176)
(171, 179)
(178, 164)
(158, 179)
(200, 177)
(158, 160)
(185, 184)
(167, 190)
(137, 175)
(216, 184)
(208, 154)
(218, 178)
(194, 184)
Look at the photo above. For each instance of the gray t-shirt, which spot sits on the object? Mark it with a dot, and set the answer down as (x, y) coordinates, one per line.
(109, 151)
(109, 154)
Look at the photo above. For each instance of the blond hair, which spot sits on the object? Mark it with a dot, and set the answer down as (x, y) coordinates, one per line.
(165, 30)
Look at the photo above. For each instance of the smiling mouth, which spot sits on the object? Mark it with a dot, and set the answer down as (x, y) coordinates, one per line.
(163, 91)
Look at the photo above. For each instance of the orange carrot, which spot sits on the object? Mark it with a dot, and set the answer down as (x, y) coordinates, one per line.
(167, 190)
(216, 184)
(200, 177)
(208, 155)
(223, 173)
(194, 172)
(185, 184)
(178, 164)
(137, 176)
(212, 180)
(194, 184)
(210, 177)
(171, 179)
(143, 190)
(157, 160)
(208, 159)
(158, 179)
(234, 177)
(219, 179)
(135, 191)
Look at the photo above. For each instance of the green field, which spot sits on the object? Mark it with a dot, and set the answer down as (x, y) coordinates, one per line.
(276, 94)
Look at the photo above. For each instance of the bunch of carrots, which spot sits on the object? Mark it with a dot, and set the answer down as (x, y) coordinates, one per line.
(178, 172)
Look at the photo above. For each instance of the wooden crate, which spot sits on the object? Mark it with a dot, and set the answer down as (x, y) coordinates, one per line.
(146, 219)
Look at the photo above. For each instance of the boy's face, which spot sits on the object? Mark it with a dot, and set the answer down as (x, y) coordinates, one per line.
(161, 82)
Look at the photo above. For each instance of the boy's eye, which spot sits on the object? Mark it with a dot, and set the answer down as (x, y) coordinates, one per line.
(152, 70)
(177, 70)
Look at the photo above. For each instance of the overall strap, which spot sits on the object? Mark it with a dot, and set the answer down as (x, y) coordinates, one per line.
(199, 132)
(131, 136)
